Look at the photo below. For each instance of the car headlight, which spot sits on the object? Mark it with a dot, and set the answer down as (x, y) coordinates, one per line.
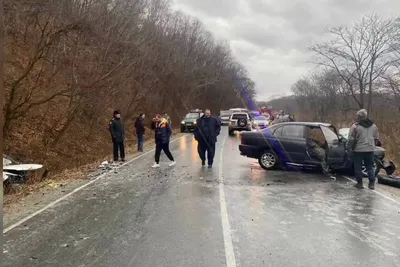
(195, 123)
(182, 122)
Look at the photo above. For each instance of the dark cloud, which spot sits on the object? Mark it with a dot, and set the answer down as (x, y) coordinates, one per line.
(271, 37)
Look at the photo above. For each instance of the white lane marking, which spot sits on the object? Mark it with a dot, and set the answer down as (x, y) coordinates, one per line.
(226, 228)
(79, 189)
(377, 192)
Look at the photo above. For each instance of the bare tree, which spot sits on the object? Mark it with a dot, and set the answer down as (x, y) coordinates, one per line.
(361, 53)
(69, 63)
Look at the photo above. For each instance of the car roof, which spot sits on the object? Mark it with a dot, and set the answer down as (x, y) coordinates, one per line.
(240, 113)
(315, 124)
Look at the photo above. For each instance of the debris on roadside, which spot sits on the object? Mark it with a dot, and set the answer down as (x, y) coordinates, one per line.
(104, 165)
(15, 172)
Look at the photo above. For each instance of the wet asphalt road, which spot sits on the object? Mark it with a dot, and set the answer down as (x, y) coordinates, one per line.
(138, 216)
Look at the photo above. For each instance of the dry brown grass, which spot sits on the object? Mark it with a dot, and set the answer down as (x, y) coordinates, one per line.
(36, 181)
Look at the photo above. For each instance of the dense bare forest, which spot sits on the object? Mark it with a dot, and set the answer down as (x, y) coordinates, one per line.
(359, 67)
(69, 63)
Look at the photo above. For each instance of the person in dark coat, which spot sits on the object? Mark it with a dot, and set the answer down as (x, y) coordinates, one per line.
(118, 135)
(140, 131)
(162, 135)
(206, 132)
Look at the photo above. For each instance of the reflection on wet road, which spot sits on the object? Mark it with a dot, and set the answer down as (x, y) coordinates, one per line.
(172, 217)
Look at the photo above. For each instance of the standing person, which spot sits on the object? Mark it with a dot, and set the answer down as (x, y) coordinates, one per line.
(165, 116)
(118, 135)
(363, 136)
(163, 133)
(140, 131)
(206, 132)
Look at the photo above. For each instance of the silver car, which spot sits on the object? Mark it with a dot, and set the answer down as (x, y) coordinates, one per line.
(240, 121)
(224, 116)
(260, 122)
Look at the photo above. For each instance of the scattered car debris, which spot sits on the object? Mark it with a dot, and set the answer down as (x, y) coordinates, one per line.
(14, 172)
(104, 165)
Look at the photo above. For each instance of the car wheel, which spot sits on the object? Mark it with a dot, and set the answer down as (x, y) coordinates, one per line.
(268, 160)
(376, 168)
(183, 129)
(231, 132)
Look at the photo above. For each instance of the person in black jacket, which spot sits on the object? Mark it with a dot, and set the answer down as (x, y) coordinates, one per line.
(118, 135)
(162, 134)
(206, 132)
(140, 131)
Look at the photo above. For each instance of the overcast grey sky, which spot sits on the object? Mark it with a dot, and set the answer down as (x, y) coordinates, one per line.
(270, 37)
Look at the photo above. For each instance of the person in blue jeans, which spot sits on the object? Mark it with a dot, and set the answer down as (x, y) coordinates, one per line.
(140, 131)
(363, 137)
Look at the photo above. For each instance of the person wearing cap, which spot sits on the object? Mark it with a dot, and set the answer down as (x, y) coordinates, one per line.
(140, 131)
(118, 135)
(363, 137)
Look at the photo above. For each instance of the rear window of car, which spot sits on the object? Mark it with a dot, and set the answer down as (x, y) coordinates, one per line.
(226, 113)
(261, 118)
(239, 116)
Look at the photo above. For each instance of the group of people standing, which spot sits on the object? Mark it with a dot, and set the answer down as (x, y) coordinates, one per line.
(117, 131)
(206, 132)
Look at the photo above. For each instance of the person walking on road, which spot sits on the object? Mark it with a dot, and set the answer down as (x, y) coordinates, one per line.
(118, 135)
(206, 132)
(163, 133)
(363, 137)
(140, 131)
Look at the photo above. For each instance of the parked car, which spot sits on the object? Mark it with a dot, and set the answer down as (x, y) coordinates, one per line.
(239, 121)
(260, 122)
(224, 116)
(285, 144)
(188, 122)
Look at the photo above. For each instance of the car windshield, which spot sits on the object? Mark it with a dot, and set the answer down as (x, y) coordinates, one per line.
(192, 116)
(225, 113)
(261, 118)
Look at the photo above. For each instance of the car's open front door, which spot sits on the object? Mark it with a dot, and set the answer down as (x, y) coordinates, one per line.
(336, 148)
